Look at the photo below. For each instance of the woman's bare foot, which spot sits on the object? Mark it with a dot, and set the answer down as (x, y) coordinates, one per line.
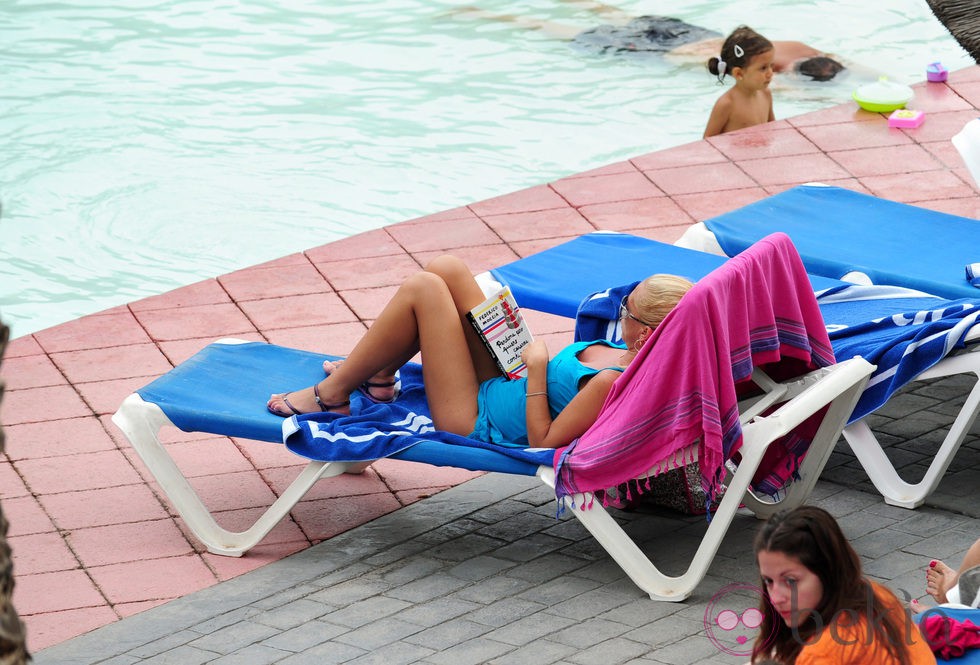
(940, 578)
(381, 388)
(308, 400)
(917, 607)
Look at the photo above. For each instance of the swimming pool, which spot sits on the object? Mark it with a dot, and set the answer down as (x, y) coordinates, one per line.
(151, 144)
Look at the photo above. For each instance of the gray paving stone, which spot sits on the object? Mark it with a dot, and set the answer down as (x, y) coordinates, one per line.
(396, 553)
(182, 655)
(546, 568)
(588, 605)
(641, 612)
(489, 589)
(501, 510)
(364, 611)
(471, 652)
(880, 542)
(399, 653)
(517, 526)
(409, 569)
(438, 610)
(305, 636)
(465, 547)
(893, 565)
(233, 637)
(379, 633)
(616, 650)
(927, 522)
(292, 614)
(529, 629)
(949, 543)
(223, 619)
(504, 611)
(539, 652)
(480, 567)
(285, 596)
(603, 570)
(665, 631)
(427, 588)
(121, 660)
(555, 591)
(530, 547)
(694, 649)
(334, 577)
(582, 634)
(255, 654)
(324, 654)
(349, 591)
(916, 425)
(904, 403)
(447, 634)
(167, 643)
(443, 533)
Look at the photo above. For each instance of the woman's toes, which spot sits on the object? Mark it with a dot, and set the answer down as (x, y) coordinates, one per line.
(279, 405)
(939, 578)
(916, 606)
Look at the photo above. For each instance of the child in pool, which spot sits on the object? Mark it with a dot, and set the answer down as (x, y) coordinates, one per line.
(818, 607)
(558, 400)
(747, 57)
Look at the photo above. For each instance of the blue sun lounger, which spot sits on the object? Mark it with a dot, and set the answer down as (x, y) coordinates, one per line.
(223, 390)
(856, 237)
(558, 279)
(542, 280)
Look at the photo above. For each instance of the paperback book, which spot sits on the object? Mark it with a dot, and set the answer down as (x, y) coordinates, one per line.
(500, 325)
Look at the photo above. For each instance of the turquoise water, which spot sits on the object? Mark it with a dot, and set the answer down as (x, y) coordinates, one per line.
(154, 143)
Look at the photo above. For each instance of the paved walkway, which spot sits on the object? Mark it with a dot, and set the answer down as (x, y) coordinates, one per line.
(483, 573)
(95, 543)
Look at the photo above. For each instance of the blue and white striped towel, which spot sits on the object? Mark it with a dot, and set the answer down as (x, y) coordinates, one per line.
(902, 331)
(973, 274)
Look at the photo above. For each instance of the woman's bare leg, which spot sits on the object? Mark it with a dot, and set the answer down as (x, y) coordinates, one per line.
(466, 294)
(550, 28)
(424, 315)
(601, 9)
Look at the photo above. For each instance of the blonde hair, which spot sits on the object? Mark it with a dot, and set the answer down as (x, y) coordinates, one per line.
(657, 295)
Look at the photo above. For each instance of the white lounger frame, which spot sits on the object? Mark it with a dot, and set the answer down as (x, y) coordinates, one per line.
(863, 442)
(839, 386)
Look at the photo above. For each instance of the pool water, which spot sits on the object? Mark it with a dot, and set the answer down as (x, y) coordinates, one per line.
(154, 143)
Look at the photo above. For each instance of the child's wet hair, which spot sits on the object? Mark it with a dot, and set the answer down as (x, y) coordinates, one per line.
(738, 50)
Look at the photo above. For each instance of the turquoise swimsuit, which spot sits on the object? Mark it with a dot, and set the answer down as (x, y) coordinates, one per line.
(502, 403)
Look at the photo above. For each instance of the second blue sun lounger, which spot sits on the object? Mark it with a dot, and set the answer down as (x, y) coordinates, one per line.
(838, 231)
(843, 305)
(558, 279)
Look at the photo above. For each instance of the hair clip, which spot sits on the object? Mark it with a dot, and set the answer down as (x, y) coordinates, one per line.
(739, 51)
(722, 67)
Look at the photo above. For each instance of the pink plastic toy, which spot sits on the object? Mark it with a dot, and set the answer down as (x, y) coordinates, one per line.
(906, 118)
(936, 73)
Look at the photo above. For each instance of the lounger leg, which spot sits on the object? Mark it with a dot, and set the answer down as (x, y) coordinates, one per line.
(141, 423)
(879, 468)
(635, 563)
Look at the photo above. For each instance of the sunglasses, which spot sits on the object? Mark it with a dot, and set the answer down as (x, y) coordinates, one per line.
(624, 311)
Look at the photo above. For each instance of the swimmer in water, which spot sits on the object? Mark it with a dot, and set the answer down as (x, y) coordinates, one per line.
(664, 35)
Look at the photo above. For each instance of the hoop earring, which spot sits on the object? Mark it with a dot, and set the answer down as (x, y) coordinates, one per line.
(635, 348)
